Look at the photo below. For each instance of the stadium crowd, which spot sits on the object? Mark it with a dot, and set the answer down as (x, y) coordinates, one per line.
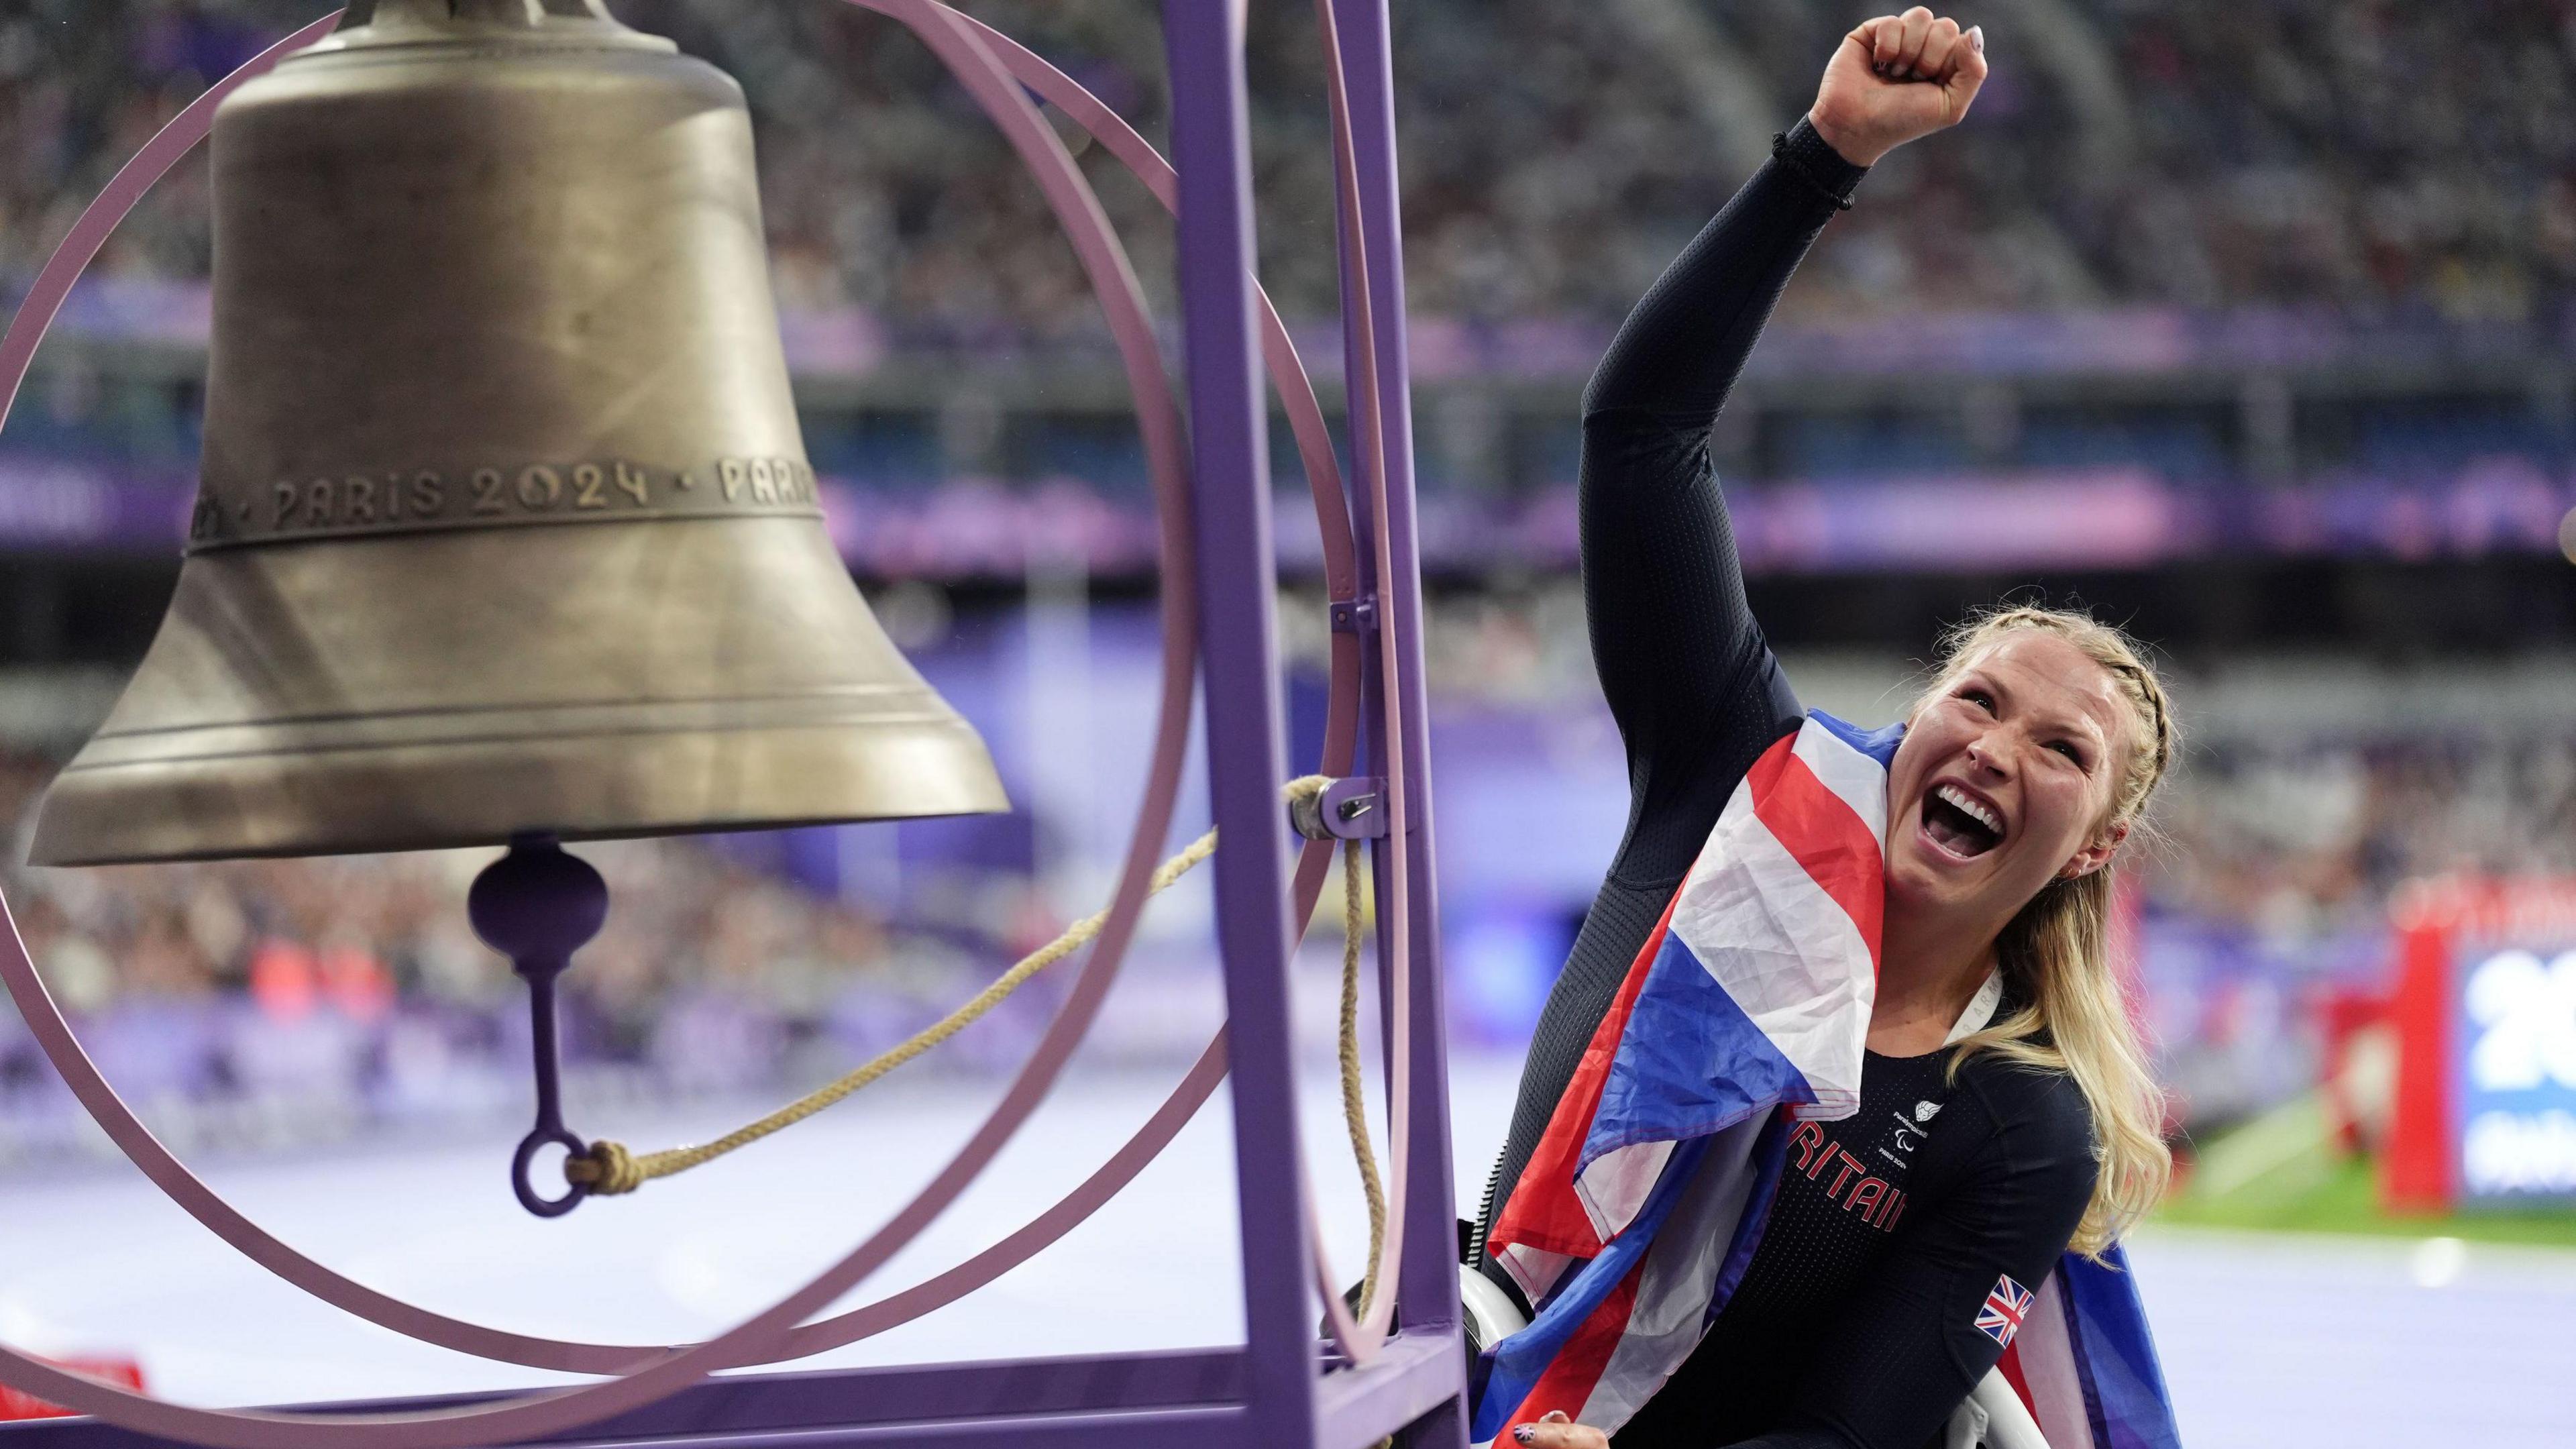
(2298, 838)
(2382, 159)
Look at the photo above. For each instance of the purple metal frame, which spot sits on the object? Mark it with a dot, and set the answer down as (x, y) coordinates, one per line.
(1427, 1291)
(1277, 1389)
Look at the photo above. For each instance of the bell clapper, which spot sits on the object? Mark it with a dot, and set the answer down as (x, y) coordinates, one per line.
(537, 905)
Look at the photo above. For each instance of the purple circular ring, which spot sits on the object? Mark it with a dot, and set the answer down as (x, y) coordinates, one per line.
(663, 1374)
(1313, 441)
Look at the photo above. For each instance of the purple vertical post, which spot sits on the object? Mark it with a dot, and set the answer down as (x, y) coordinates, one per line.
(1427, 1291)
(1211, 149)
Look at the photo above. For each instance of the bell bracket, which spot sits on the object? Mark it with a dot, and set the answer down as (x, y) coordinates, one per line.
(527, 14)
(1347, 809)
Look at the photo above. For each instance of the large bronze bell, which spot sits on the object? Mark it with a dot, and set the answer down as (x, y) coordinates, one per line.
(506, 524)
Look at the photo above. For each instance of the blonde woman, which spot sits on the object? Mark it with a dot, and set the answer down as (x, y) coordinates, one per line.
(2001, 1113)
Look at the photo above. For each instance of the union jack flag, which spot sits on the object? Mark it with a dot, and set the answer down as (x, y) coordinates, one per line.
(1746, 1012)
(2007, 1304)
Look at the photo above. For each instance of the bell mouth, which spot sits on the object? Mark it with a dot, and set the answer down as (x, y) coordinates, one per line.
(435, 690)
(131, 800)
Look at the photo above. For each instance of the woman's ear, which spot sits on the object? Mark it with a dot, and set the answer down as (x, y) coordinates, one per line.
(2098, 854)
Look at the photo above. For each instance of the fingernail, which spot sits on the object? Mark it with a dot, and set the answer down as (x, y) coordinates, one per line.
(1977, 38)
(1524, 1433)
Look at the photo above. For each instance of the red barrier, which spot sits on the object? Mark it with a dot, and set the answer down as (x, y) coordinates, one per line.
(123, 1371)
(2485, 1026)
(2415, 1169)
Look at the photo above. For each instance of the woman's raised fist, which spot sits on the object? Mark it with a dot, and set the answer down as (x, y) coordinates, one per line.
(1895, 78)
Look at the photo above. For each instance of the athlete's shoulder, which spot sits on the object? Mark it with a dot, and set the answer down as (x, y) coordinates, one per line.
(2034, 1112)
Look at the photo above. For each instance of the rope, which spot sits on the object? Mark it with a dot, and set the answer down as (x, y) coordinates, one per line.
(611, 1168)
(1354, 1107)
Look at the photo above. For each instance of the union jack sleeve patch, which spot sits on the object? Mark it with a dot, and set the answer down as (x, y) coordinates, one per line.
(2007, 1304)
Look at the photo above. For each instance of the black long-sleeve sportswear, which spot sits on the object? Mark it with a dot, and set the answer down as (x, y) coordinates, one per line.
(1854, 1325)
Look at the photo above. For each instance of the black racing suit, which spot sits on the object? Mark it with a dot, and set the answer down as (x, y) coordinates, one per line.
(1854, 1326)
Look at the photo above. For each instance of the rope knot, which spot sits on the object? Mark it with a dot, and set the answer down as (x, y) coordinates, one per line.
(607, 1169)
(1305, 799)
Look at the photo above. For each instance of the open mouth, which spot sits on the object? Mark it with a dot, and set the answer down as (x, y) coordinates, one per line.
(1960, 823)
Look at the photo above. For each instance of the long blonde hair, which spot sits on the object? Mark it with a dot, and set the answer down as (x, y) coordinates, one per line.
(2055, 954)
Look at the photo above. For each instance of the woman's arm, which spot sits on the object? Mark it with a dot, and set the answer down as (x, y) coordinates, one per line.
(1686, 671)
(1673, 639)
(1683, 664)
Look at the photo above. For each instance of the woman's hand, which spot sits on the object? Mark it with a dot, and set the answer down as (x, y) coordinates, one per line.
(1896, 78)
(1555, 1431)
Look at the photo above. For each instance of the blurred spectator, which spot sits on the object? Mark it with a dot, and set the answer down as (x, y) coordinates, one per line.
(2377, 158)
(2306, 836)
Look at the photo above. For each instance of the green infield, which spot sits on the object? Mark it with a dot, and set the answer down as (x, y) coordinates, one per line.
(2282, 1172)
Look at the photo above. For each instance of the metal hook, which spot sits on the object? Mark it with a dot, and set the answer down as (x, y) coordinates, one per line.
(524, 1160)
(550, 1127)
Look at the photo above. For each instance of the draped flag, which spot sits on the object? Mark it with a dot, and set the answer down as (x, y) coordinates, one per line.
(1747, 1009)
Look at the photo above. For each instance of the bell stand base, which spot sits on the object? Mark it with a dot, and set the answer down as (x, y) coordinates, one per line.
(1176, 1399)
